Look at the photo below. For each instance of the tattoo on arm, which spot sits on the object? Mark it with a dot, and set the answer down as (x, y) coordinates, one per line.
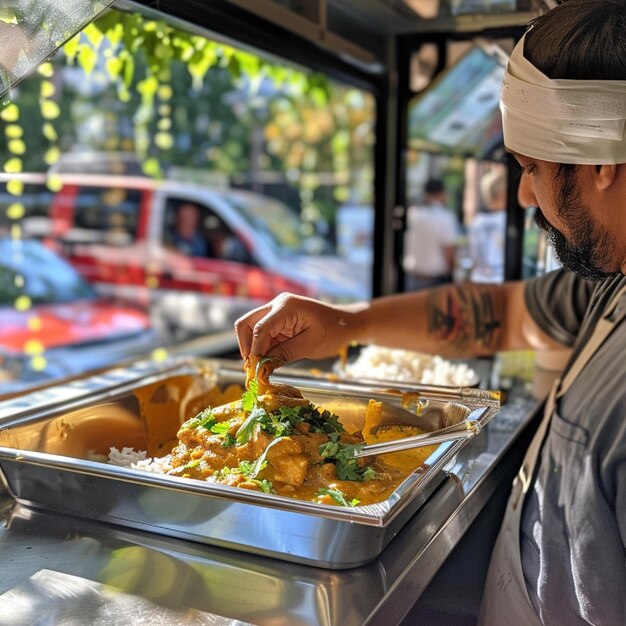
(468, 317)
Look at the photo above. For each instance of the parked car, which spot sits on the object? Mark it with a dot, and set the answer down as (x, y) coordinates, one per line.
(120, 232)
(47, 309)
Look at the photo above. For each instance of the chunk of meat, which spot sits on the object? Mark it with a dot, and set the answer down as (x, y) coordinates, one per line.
(282, 395)
(254, 447)
(288, 461)
(291, 469)
(271, 396)
(256, 367)
(190, 435)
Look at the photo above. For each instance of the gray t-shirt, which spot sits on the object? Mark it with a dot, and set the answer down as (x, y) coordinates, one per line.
(573, 531)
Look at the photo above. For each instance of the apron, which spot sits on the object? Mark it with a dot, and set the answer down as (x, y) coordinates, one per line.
(506, 599)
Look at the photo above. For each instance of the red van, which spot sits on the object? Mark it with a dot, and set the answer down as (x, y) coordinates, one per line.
(120, 232)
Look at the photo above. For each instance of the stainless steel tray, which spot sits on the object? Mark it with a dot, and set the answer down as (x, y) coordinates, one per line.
(45, 438)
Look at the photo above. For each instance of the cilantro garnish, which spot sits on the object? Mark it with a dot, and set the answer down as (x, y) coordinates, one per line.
(249, 398)
(220, 428)
(342, 455)
(229, 441)
(337, 495)
(265, 485)
(250, 470)
(247, 428)
(205, 419)
(324, 422)
(281, 423)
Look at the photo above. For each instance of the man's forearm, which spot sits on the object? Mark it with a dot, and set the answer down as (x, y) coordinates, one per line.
(452, 320)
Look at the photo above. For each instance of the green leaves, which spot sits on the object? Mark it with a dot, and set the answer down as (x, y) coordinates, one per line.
(220, 428)
(229, 441)
(249, 398)
(265, 485)
(205, 419)
(342, 455)
(325, 422)
(247, 428)
(282, 423)
(250, 470)
(337, 495)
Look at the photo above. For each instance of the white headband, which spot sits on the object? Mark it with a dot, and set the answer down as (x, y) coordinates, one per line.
(563, 121)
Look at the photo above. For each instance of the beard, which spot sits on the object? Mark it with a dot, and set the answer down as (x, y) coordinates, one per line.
(589, 247)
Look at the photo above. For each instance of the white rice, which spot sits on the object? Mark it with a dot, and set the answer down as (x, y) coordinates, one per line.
(138, 459)
(404, 366)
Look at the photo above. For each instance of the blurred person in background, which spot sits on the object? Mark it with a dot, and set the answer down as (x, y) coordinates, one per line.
(429, 240)
(487, 234)
(187, 237)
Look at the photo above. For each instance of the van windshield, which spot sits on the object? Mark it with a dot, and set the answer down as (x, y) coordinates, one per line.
(271, 219)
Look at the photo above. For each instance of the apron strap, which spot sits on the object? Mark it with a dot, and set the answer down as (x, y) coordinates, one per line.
(525, 474)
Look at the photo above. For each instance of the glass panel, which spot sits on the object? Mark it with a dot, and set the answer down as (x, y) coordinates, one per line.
(131, 120)
(32, 30)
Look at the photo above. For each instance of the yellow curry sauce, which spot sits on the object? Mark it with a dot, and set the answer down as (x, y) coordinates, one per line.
(276, 441)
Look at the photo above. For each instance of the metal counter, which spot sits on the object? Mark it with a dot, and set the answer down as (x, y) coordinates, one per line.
(181, 578)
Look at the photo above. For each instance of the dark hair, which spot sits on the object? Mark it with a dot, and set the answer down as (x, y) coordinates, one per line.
(433, 185)
(580, 40)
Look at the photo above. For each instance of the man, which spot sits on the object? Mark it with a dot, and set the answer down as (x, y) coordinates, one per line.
(431, 232)
(560, 556)
(187, 236)
(487, 233)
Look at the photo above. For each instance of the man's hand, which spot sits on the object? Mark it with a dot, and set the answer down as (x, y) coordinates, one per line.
(294, 327)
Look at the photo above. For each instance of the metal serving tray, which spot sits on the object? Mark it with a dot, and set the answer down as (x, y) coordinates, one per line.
(48, 437)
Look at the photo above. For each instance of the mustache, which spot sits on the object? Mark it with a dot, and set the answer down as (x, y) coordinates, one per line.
(555, 236)
(541, 221)
(578, 257)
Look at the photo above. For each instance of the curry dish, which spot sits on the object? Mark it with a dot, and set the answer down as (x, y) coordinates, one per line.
(274, 440)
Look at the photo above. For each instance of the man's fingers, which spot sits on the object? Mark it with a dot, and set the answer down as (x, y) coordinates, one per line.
(273, 328)
(294, 348)
(244, 327)
(282, 322)
(262, 331)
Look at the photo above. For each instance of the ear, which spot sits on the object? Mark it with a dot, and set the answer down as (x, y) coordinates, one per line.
(605, 175)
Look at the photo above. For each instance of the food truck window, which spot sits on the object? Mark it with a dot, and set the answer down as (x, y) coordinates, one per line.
(143, 107)
(456, 185)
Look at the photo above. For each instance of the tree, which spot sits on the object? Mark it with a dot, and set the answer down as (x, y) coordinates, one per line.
(174, 98)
